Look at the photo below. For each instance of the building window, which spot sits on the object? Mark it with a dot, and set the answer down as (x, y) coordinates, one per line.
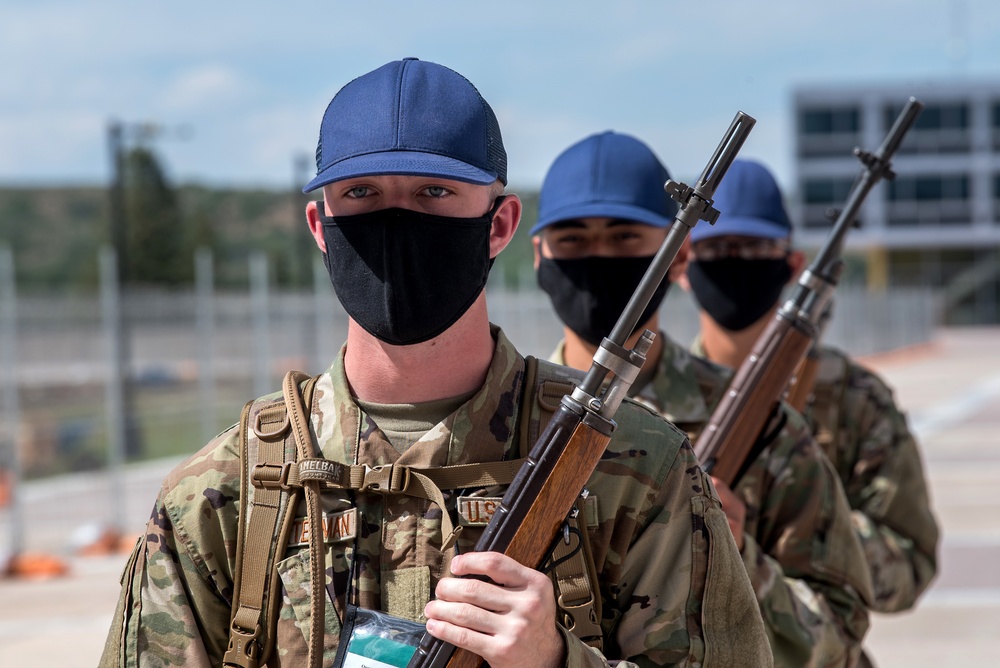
(828, 131)
(940, 128)
(929, 200)
(996, 198)
(830, 121)
(996, 126)
(819, 195)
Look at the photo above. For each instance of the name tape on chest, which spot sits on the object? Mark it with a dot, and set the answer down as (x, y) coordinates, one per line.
(476, 511)
(336, 527)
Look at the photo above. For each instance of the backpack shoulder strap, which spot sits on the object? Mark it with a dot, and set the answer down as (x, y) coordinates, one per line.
(267, 510)
(578, 594)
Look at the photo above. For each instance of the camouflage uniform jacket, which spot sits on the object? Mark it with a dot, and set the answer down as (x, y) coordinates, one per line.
(806, 567)
(855, 419)
(673, 590)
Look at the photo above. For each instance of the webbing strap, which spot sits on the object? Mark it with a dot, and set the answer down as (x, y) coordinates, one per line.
(252, 576)
(299, 423)
(423, 483)
(575, 576)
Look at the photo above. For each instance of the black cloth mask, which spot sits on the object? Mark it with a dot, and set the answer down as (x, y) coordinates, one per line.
(407, 276)
(736, 292)
(590, 293)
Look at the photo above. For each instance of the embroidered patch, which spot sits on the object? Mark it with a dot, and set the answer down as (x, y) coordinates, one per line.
(476, 511)
(336, 527)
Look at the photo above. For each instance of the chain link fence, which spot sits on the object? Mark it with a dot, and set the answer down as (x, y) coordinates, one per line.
(195, 356)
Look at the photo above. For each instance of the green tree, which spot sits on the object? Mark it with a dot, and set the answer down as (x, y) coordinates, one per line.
(157, 248)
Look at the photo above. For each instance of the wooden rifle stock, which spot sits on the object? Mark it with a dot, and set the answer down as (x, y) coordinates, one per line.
(736, 429)
(547, 486)
(748, 405)
(560, 463)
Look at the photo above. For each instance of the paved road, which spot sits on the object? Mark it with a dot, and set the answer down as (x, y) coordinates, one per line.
(951, 390)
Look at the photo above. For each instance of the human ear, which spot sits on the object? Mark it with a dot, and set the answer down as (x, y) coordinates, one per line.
(505, 222)
(796, 260)
(315, 226)
(678, 268)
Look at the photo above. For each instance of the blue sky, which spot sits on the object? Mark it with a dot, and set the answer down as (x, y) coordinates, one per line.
(251, 79)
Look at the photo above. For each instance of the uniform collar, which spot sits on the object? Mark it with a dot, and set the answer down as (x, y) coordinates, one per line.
(481, 430)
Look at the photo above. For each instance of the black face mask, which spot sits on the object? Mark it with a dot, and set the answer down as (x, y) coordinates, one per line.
(406, 276)
(590, 293)
(735, 292)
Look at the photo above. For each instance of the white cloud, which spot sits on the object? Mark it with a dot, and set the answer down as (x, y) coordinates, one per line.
(205, 88)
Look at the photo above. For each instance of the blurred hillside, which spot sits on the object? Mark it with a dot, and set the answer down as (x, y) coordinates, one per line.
(55, 233)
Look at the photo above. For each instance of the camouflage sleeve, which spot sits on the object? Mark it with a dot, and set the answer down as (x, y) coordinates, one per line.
(674, 589)
(885, 485)
(805, 563)
(171, 611)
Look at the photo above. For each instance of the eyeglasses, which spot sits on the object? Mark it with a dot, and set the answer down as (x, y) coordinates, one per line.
(745, 249)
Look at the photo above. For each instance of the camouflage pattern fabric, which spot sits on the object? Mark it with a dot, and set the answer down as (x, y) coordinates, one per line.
(673, 587)
(855, 418)
(805, 564)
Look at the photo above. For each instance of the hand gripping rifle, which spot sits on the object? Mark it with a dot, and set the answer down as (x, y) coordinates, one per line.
(735, 431)
(543, 492)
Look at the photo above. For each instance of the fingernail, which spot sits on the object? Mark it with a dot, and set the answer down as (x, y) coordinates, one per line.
(455, 562)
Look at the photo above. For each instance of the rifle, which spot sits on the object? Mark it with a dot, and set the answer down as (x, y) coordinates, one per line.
(735, 432)
(543, 492)
(804, 380)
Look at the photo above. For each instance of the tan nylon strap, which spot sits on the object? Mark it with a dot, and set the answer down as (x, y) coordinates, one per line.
(299, 423)
(575, 578)
(577, 594)
(423, 483)
(251, 575)
(388, 478)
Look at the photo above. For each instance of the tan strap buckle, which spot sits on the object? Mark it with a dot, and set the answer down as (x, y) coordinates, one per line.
(270, 476)
(244, 650)
(274, 434)
(581, 619)
(386, 479)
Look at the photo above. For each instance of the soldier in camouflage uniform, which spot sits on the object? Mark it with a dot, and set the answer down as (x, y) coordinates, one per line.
(739, 268)
(602, 214)
(425, 381)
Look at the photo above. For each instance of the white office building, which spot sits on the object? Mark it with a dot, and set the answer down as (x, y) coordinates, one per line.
(938, 223)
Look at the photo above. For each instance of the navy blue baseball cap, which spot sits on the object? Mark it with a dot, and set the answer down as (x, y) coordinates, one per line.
(749, 204)
(607, 175)
(410, 117)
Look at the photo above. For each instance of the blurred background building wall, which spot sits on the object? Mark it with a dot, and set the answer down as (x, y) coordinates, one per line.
(938, 224)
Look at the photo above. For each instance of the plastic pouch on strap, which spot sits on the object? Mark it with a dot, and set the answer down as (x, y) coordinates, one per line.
(373, 639)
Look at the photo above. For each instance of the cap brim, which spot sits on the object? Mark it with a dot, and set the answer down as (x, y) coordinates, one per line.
(406, 163)
(602, 210)
(740, 227)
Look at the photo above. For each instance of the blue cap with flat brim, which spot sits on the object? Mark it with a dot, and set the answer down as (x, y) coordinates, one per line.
(606, 175)
(410, 117)
(749, 204)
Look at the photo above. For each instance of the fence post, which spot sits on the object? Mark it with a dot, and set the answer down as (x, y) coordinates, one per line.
(114, 386)
(261, 324)
(10, 464)
(205, 298)
(323, 309)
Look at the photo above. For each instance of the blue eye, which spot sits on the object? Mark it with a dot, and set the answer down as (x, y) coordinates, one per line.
(436, 191)
(358, 192)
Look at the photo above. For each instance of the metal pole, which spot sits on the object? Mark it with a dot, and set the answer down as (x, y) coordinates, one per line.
(119, 240)
(323, 308)
(10, 465)
(115, 386)
(204, 289)
(261, 324)
(305, 249)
